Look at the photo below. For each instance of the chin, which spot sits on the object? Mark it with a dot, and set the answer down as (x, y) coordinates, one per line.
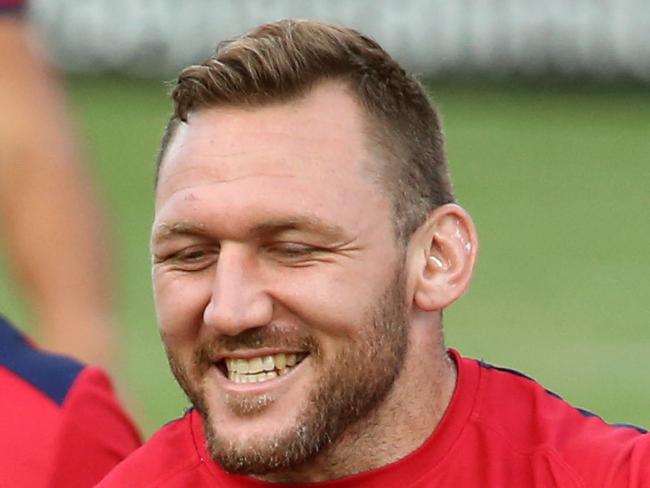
(262, 445)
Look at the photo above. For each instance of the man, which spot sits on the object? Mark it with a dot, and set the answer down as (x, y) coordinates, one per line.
(305, 244)
(60, 422)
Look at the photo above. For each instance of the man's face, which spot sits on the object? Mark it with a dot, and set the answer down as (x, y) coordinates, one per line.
(279, 286)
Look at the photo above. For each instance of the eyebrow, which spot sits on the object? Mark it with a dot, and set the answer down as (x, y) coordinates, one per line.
(166, 230)
(305, 223)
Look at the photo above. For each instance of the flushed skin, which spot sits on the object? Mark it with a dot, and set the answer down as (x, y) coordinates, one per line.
(270, 217)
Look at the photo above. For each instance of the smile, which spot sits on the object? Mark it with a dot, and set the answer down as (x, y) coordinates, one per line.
(261, 368)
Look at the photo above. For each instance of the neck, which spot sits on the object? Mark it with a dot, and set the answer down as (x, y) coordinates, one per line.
(402, 423)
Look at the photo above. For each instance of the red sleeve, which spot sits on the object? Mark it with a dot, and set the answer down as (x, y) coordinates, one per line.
(96, 433)
(11, 4)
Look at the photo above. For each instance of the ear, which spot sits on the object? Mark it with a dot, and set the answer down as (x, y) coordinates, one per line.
(444, 249)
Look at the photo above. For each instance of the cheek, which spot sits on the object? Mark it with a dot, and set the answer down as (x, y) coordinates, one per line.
(179, 304)
(336, 304)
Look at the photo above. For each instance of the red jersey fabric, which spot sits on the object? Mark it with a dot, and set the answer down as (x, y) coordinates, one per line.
(12, 5)
(501, 430)
(60, 423)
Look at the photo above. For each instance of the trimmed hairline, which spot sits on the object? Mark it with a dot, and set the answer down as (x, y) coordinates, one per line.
(371, 125)
(376, 165)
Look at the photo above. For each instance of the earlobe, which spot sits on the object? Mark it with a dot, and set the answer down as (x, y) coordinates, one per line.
(449, 242)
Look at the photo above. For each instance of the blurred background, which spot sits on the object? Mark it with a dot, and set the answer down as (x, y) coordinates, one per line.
(546, 109)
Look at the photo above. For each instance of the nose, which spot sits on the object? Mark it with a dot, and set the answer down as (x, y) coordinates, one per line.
(238, 300)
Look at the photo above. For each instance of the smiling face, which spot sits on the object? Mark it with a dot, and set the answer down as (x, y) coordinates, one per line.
(278, 282)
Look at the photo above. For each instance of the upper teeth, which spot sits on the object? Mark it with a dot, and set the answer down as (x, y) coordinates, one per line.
(260, 368)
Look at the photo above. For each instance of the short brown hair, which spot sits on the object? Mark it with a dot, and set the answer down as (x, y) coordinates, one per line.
(283, 60)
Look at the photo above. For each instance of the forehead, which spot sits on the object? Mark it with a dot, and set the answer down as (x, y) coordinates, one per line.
(311, 151)
(325, 128)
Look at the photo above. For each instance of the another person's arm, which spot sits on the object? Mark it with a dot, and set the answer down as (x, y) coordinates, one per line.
(51, 224)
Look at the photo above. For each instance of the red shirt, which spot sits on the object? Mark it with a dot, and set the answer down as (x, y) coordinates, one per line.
(11, 4)
(501, 430)
(60, 423)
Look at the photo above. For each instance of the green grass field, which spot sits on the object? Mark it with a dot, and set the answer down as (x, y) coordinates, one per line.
(558, 182)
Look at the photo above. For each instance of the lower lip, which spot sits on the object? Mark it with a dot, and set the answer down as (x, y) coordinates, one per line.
(254, 388)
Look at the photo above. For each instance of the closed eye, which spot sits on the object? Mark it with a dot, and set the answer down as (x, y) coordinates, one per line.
(192, 258)
(294, 252)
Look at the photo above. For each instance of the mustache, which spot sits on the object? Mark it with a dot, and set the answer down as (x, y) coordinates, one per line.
(257, 338)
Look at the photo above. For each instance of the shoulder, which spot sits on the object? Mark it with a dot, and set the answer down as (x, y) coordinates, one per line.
(51, 375)
(7, 6)
(52, 380)
(537, 423)
(96, 433)
(33, 387)
(507, 396)
(83, 432)
(170, 459)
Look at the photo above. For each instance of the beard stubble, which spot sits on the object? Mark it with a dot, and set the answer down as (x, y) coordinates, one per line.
(346, 391)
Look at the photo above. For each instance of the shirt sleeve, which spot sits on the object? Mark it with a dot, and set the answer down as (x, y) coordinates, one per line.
(96, 433)
(12, 5)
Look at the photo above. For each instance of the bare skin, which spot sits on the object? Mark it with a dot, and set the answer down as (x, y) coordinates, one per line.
(223, 267)
(52, 226)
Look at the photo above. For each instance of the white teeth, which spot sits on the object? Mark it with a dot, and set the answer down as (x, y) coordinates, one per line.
(241, 366)
(280, 361)
(256, 378)
(255, 365)
(267, 363)
(261, 368)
